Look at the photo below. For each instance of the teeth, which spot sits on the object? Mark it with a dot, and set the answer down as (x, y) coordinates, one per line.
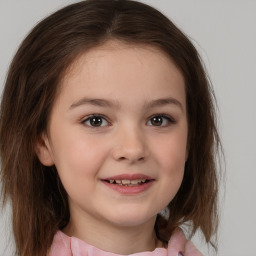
(135, 182)
(128, 182)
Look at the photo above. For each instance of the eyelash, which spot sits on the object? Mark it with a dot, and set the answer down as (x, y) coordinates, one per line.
(89, 118)
(169, 119)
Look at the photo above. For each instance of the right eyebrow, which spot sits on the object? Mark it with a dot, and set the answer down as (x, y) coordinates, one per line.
(95, 102)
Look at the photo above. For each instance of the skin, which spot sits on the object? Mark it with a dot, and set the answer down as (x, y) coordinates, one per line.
(133, 80)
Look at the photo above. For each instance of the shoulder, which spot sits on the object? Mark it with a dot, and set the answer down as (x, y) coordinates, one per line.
(61, 245)
(179, 245)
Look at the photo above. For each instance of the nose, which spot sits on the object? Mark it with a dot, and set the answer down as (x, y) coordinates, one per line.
(130, 146)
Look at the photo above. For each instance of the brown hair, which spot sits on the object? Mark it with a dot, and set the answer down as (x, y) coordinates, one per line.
(39, 201)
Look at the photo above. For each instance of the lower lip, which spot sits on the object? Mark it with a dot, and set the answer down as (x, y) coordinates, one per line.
(129, 190)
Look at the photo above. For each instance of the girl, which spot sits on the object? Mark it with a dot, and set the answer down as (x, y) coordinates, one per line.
(108, 135)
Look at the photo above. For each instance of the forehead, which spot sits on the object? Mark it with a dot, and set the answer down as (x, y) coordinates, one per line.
(116, 52)
(121, 67)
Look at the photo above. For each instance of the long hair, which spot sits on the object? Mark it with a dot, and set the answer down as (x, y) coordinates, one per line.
(39, 201)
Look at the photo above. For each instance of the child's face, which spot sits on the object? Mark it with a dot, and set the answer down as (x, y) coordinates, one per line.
(120, 117)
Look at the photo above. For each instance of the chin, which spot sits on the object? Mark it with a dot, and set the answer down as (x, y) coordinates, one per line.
(132, 219)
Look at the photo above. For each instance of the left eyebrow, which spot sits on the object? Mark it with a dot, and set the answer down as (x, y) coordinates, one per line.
(163, 102)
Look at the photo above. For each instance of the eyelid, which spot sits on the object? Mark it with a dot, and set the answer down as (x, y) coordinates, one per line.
(87, 118)
(169, 118)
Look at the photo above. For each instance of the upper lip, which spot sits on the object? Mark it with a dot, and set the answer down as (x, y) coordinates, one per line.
(137, 176)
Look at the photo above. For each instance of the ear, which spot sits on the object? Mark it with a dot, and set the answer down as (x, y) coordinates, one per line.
(43, 150)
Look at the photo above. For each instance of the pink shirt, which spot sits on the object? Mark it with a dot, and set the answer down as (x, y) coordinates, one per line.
(64, 245)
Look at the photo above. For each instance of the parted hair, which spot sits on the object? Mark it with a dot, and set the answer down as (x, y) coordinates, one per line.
(38, 199)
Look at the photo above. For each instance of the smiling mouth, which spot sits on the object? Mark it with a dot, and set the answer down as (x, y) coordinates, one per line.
(128, 183)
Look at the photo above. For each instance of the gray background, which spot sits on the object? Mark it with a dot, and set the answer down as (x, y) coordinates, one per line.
(224, 33)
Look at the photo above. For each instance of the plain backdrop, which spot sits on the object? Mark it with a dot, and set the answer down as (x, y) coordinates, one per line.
(224, 32)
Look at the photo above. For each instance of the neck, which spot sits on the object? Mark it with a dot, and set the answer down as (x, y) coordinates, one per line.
(113, 238)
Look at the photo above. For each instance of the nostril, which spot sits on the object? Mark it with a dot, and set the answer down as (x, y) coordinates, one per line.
(180, 254)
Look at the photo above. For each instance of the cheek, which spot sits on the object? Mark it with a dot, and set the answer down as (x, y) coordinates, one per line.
(171, 152)
(172, 158)
(78, 152)
(77, 164)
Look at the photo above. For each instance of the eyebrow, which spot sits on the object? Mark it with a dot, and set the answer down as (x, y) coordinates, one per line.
(116, 104)
(95, 102)
(164, 102)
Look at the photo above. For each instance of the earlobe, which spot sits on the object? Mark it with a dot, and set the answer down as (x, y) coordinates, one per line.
(43, 151)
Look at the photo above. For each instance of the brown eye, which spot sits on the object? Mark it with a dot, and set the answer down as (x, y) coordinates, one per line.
(157, 120)
(160, 120)
(95, 121)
